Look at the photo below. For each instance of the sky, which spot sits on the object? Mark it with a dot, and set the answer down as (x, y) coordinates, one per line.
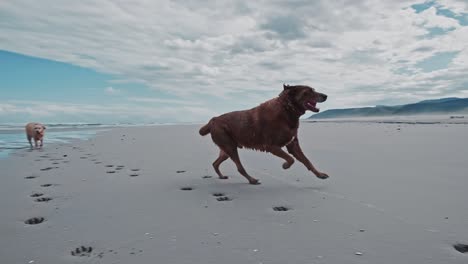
(185, 61)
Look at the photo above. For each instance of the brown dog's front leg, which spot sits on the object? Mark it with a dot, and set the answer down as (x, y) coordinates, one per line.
(30, 142)
(296, 151)
(277, 151)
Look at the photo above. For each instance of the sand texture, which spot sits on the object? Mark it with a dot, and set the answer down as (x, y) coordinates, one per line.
(397, 193)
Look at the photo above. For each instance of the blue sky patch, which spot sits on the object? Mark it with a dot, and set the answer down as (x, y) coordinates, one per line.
(423, 6)
(462, 18)
(437, 31)
(436, 62)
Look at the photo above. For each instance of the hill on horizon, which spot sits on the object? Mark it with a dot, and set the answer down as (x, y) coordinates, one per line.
(451, 105)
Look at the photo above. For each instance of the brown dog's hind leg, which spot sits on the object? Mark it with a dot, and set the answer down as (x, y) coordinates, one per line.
(222, 157)
(225, 142)
(232, 152)
(277, 151)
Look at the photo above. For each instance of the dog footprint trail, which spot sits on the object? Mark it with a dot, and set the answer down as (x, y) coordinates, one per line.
(111, 169)
(221, 197)
(43, 199)
(462, 248)
(55, 161)
(82, 251)
(89, 252)
(134, 172)
(281, 209)
(49, 168)
(34, 220)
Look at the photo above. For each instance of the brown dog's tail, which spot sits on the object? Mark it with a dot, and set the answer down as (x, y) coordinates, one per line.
(206, 129)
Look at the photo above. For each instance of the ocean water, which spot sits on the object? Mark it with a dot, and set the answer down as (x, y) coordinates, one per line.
(13, 136)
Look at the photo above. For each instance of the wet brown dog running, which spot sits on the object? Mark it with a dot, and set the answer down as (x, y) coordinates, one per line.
(267, 127)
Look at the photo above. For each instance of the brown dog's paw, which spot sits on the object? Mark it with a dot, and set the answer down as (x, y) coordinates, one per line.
(286, 165)
(322, 175)
(254, 181)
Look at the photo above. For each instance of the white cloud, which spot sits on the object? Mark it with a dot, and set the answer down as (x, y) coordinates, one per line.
(112, 91)
(457, 6)
(162, 101)
(429, 18)
(352, 50)
(27, 110)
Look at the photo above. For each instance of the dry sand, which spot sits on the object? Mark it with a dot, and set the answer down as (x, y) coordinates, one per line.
(397, 194)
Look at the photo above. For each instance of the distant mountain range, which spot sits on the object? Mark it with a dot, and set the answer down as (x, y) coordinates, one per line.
(450, 105)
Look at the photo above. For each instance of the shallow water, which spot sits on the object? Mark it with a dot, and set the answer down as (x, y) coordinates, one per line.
(14, 138)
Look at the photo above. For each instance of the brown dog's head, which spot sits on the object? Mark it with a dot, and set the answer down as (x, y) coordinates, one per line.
(39, 130)
(304, 97)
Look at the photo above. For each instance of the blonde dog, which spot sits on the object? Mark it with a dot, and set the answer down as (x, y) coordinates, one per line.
(35, 131)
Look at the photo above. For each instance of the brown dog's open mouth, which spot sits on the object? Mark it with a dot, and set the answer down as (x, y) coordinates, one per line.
(312, 106)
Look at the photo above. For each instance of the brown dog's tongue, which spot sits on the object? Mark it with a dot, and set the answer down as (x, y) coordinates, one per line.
(312, 106)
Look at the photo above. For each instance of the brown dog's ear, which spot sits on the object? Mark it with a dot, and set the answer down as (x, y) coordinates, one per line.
(286, 86)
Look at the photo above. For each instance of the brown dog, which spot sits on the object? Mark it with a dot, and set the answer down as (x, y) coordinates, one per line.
(267, 127)
(35, 131)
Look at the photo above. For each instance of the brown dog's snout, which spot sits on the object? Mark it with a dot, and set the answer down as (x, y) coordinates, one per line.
(322, 97)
